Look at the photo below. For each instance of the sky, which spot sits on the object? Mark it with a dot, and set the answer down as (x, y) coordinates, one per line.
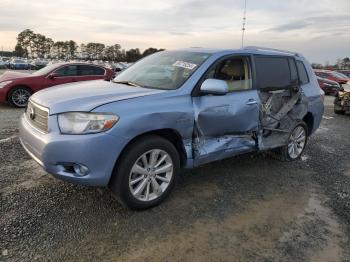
(319, 29)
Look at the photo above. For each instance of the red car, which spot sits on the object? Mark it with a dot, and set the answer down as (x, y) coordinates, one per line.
(16, 88)
(329, 87)
(332, 75)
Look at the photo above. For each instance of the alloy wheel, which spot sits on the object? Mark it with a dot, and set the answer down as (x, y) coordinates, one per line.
(151, 175)
(297, 142)
(20, 97)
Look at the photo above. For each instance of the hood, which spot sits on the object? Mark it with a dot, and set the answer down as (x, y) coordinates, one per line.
(85, 96)
(9, 75)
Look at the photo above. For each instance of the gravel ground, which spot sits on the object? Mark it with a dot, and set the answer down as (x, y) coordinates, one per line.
(247, 208)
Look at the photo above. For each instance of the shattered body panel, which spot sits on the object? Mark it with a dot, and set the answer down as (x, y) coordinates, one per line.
(280, 112)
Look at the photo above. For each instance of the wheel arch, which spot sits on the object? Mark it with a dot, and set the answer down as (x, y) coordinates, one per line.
(309, 121)
(169, 134)
(16, 86)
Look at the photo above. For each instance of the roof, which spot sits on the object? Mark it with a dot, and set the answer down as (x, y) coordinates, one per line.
(248, 50)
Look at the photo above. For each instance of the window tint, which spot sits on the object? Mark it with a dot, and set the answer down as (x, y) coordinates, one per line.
(88, 70)
(303, 77)
(235, 71)
(71, 70)
(293, 70)
(272, 71)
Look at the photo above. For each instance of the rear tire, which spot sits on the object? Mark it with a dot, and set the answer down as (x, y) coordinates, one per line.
(18, 96)
(337, 106)
(137, 181)
(296, 143)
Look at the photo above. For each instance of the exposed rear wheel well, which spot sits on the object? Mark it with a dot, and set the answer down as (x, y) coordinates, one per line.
(309, 121)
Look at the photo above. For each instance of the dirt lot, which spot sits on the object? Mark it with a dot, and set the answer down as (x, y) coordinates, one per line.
(248, 208)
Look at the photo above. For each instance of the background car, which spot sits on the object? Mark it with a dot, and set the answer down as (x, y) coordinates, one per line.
(16, 88)
(332, 75)
(344, 72)
(329, 87)
(3, 64)
(19, 64)
(342, 100)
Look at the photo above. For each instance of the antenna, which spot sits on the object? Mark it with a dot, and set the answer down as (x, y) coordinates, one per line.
(244, 21)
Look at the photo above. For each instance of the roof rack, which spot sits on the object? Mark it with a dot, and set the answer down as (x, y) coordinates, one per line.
(259, 48)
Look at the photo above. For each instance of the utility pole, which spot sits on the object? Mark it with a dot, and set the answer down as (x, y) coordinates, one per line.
(244, 21)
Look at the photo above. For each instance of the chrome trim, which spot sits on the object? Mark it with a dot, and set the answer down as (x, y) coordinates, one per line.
(43, 125)
(40, 106)
(34, 127)
(31, 154)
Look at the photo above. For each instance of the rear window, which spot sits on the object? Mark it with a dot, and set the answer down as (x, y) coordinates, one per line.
(303, 77)
(272, 72)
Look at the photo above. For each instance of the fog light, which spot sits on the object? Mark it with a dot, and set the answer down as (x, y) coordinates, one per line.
(80, 170)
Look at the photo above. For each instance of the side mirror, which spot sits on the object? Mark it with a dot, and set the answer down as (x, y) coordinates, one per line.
(214, 87)
(53, 75)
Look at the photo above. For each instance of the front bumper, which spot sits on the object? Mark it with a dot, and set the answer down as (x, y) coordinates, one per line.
(54, 152)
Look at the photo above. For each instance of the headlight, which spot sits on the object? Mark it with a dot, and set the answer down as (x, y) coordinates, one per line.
(85, 123)
(2, 84)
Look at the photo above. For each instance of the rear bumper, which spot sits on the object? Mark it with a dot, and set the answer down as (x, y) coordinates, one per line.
(54, 152)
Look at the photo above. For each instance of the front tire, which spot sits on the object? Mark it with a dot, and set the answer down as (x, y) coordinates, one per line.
(18, 96)
(146, 172)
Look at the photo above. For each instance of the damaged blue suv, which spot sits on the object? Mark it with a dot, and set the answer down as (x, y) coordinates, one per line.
(172, 110)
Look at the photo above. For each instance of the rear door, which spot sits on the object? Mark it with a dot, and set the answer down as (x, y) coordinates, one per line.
(226, 125)
(90, 72)
(63, 75)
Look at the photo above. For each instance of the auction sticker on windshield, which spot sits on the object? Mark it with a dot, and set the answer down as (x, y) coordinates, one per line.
(186, 65)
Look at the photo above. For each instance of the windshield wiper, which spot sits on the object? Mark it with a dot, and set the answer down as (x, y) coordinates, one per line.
(129, 83)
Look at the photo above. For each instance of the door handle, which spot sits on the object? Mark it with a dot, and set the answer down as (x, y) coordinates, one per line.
(252, 102)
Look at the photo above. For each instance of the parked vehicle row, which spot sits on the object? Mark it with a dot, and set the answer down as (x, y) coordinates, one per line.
(171, 110)
(331, 82)
(35, 64)
(16, 88)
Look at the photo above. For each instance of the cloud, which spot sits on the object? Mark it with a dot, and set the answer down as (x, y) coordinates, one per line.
(293, 24)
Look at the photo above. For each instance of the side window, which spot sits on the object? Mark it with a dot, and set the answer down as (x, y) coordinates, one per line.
(303, 77)
(293, 70)
(272, 71)
(71, 70)
(235, 71)
(88, 70)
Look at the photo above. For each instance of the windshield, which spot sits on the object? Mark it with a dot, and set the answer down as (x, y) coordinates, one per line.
(45, 70)
(163, 70)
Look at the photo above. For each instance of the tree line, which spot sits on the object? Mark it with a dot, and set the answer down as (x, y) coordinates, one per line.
(33, 45)
(340, 64)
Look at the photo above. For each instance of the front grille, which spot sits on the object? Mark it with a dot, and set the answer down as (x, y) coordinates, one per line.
(37, 116)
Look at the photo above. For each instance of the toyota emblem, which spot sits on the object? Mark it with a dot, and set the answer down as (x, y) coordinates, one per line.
(31, 113)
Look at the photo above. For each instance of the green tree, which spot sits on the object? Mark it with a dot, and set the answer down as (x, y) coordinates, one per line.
(133, 55)
(95, 50)
(25, 40)
(150, 51)
(19, 51)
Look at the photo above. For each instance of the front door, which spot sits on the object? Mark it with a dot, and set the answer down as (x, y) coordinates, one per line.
(63, 75)
(226, 125)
